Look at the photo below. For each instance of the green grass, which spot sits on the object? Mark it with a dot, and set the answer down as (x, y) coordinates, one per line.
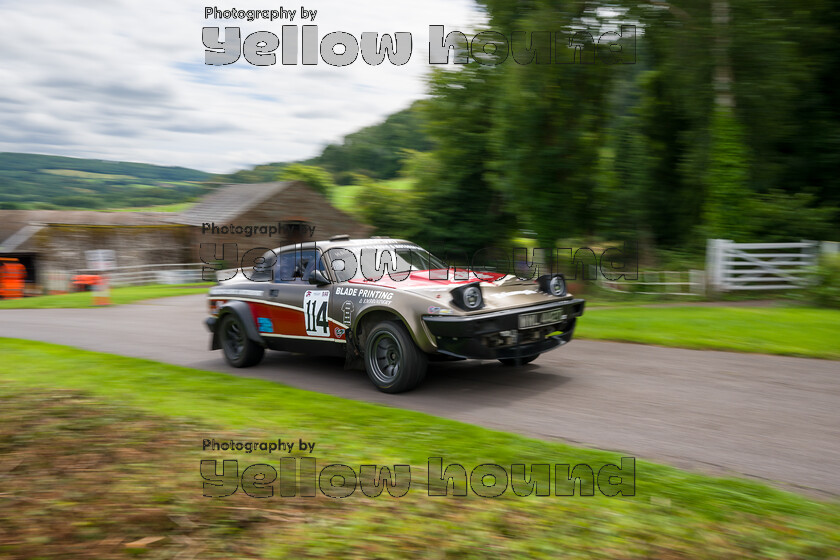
(87, 175)
(792, 331)
(596, 296)
(127, 294)
(673, 513)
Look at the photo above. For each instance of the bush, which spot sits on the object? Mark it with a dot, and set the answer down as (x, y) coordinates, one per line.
(315, 177)
(825, 290)
(778, 217)
(393, 212)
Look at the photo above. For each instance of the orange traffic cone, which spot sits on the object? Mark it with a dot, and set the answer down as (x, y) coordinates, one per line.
(101, 292)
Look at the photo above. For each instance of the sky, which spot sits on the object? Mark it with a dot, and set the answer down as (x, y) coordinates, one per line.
(126, 80)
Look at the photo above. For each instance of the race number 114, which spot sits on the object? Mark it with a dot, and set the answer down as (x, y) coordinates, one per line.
(315, 305)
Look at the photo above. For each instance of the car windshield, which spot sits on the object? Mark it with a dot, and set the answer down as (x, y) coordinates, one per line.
(417, 259)
(374, 260)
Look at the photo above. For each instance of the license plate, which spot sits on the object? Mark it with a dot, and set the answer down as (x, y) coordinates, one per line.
(540, 318)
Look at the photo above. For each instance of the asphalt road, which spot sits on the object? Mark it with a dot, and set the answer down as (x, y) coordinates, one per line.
(771, 418)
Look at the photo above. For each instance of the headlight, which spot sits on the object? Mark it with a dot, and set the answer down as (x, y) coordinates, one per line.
(554, 284)
(468, 297)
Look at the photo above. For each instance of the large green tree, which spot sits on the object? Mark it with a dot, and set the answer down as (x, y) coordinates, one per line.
(459, 207)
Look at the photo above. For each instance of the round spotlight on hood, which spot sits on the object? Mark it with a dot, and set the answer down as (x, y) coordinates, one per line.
(554, 284)
(468, 297)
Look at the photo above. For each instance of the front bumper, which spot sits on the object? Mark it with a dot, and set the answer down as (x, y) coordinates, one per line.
(497, 334)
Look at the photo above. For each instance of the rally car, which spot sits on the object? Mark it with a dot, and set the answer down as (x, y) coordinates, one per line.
(386, 304)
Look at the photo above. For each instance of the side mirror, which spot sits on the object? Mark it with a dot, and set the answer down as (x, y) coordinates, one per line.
(317, 277)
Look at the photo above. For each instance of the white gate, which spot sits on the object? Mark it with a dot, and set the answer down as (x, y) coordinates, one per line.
(759, 266)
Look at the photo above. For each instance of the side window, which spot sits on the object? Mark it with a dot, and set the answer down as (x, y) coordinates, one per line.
(295, 266)
(309, 260)
(285, 270)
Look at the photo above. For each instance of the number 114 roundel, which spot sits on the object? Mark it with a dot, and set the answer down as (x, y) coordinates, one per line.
(315, 306)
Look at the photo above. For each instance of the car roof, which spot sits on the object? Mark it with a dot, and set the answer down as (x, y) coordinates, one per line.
(325, 245)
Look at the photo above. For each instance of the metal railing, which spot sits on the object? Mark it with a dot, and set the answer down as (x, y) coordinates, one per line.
(661, 282)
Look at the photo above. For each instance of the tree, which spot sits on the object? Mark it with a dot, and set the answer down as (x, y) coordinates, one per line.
(461, 209)
(728, 202)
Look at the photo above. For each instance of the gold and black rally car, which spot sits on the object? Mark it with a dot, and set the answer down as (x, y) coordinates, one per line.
(387, 304)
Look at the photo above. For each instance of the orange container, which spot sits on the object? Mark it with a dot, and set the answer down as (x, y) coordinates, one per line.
(12, 278)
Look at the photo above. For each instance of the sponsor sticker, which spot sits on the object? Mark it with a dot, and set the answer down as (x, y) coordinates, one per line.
(366, 296)
(264, 324)
(339, 332)
(435, 310)
(347, 309)
(222, 291)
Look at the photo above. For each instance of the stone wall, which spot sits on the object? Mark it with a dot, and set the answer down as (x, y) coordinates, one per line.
(62, 247)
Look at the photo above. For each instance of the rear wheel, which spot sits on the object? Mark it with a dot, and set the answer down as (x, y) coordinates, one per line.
(239, 350)
(392, 360)
(518, 361)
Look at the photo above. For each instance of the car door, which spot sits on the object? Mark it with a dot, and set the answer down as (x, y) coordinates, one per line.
(298, 310)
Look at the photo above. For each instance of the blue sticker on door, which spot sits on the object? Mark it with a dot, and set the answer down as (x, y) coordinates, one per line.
(264, 324)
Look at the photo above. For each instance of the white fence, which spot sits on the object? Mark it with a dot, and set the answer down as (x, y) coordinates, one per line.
(661, 282)
(759, 266)
(176, 273)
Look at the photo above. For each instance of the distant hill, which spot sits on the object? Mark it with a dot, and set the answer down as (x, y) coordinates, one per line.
(41, 181)
(377, 151)
(32, 181)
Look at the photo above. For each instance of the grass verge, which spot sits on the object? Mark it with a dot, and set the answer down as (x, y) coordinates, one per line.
(128, 294)
(109, 452)
(791, 331)
(345, 197)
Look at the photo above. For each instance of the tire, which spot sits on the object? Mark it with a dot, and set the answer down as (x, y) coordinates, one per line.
(510, 362)
(239, 350)
(392, 361)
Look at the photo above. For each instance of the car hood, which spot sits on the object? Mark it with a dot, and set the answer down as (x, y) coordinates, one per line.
(500, 291)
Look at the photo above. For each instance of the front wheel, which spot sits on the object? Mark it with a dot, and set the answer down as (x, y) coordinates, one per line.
(392, 360)
(239, 350)
(518, 361)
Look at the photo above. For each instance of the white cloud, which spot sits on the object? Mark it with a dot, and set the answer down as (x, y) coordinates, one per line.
(126, 80)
